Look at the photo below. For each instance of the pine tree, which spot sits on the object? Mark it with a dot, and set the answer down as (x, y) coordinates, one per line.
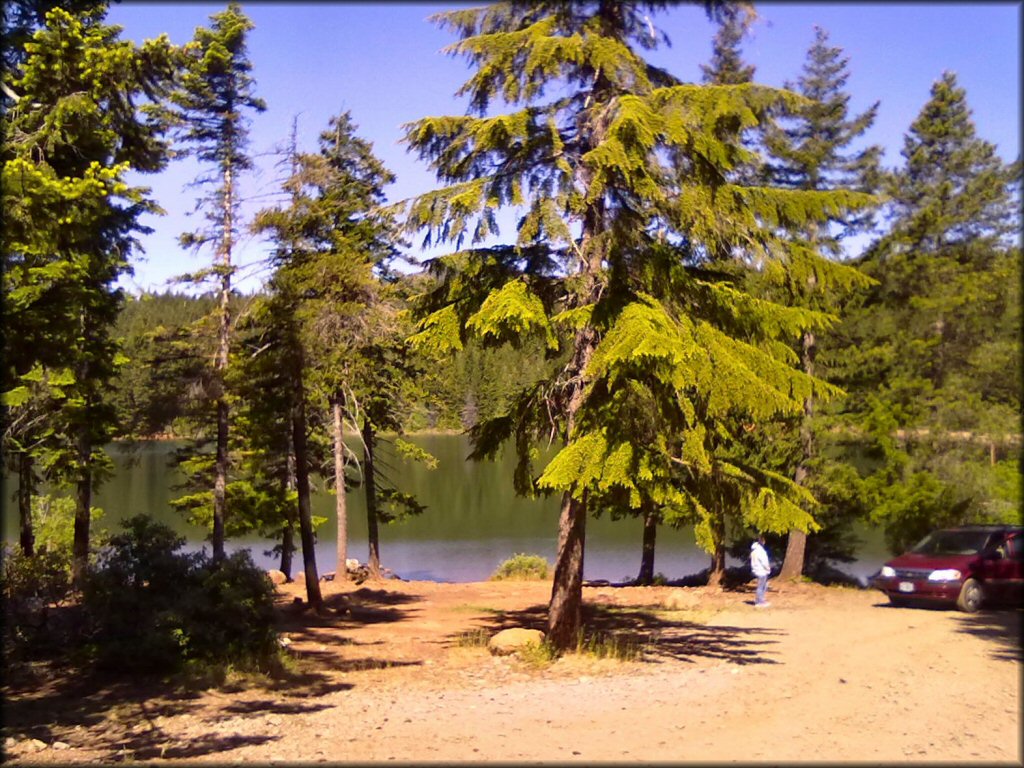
(727, 66)
(213, 102)
(84, 111)
(337, 237)
(621, 174)
(919, 347)
(813, 152)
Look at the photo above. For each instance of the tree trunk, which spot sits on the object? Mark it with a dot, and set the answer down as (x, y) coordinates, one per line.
(796, 547)
(567, 590)
(340, 503)
(717, 572)
(221, 365)
(370, 484)
(302, 488)
(646, 575)
(567, 587)
(287, 549)
(26, 489)
(83, 507)
(288, 530)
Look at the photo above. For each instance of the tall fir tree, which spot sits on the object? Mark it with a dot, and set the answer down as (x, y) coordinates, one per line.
(83, 111)
(621, 175)
(337, 238)
(921, 347)
(727, 67)
(816, 151)
(214, 103)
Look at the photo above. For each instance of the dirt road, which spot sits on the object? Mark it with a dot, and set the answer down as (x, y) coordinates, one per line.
(823, 675)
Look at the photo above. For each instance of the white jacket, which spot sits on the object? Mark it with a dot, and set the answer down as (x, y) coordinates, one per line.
(759, 564)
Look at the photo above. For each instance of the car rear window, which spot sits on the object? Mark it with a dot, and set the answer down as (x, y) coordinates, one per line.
(953, 543)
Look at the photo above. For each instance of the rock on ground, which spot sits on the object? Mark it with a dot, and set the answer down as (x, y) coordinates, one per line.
(509, 641)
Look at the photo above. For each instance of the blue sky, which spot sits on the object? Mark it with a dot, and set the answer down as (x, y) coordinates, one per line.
(383, 62)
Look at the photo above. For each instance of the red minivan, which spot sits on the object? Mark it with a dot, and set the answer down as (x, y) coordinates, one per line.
(965, 566)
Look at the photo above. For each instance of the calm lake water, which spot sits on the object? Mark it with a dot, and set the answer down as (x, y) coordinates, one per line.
(473, 520)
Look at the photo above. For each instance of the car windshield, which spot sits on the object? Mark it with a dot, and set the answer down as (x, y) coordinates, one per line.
(952, 543)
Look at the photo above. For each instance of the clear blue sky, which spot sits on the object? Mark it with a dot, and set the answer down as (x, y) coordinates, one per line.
(383, 63)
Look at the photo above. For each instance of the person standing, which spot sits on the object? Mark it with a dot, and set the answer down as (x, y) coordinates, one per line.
(760, 567)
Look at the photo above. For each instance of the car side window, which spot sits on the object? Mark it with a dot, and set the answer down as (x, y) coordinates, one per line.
(1014, 547)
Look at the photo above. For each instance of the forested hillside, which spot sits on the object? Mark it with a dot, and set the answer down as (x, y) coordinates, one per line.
(151, 391)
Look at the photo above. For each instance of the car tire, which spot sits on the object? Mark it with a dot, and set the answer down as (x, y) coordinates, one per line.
(971, 596)
(898, 602)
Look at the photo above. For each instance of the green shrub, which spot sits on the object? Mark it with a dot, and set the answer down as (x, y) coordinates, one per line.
(537, 655)
(153, 607)
(30, 586)
(45, 576)
(522, 567)
(234, 619)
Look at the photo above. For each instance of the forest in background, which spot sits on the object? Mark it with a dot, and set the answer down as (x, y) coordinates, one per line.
(678, 311)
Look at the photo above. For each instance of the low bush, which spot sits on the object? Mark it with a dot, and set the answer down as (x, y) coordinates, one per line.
(30, 587)
(153, 607)
(522, 567)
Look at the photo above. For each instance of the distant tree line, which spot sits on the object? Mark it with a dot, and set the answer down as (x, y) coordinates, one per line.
(679, 310)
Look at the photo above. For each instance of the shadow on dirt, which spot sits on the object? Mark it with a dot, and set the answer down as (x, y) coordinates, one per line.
(1001, 627)
(317, 637)
(347, 611)
(661, 638)
(117, 715)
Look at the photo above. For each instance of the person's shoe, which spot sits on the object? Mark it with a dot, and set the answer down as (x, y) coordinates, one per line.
(762, 605)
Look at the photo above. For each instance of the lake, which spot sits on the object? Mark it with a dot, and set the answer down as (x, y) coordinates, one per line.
(473, 521)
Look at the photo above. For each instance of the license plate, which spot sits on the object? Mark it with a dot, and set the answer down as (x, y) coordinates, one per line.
(906, 586)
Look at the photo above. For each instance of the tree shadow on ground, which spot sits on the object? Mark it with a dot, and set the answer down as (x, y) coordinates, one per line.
(110, 713)
(315, 637)
(661, 638)
(347, 610)
(1001, 627)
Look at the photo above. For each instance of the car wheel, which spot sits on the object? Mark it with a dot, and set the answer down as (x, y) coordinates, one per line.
(898, 602)
(971, 596)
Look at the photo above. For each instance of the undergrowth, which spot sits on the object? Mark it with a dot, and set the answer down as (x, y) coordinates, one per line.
(474, 638)
(522, 567)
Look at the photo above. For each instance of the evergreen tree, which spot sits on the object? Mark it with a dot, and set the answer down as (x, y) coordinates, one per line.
(727, 66)
(337, 237)
(621, 173)
(151, 388)
(920, 349)
(84, 110)
(213, 102)
(813, 151)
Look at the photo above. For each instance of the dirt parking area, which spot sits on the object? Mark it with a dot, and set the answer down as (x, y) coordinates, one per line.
(396, 672)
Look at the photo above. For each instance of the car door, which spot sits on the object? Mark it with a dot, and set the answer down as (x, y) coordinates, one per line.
(1001, 569)
(1014, 586)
